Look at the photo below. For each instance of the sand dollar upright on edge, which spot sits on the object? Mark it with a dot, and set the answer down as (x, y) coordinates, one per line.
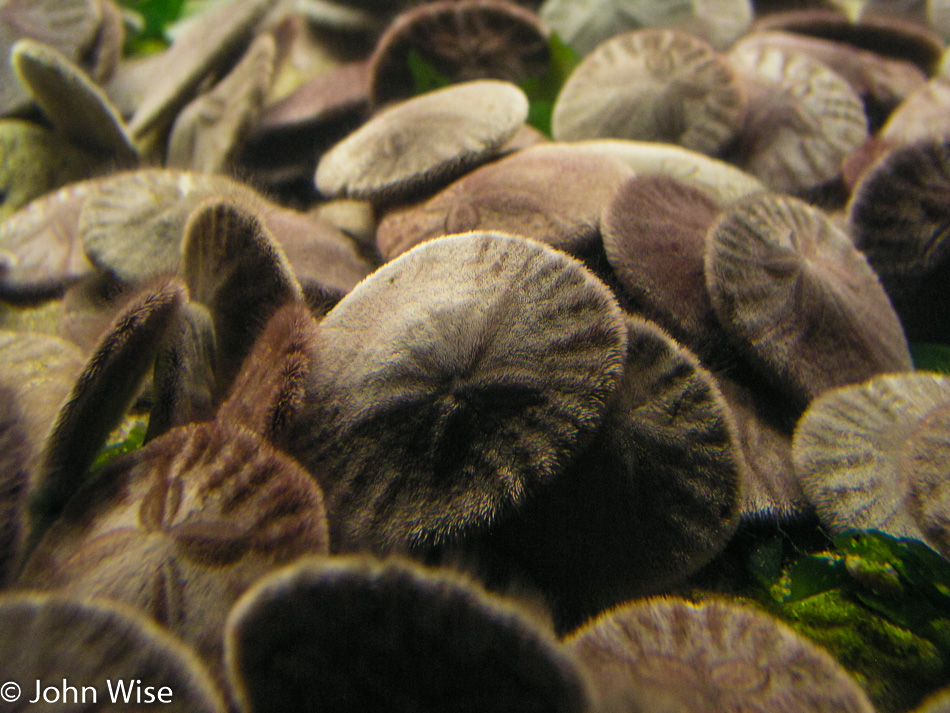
(424, 140)
(454, 381)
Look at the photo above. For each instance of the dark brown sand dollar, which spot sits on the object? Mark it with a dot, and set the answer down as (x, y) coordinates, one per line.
(391, 635)
(180, 528)
(652, 499)
(73, 103)
(92, 644)
(211, 129)
(17, 449)
(802, 120)
(652, 85)
(429, 139)
(491, 369)
(868, 456)
(34, 161)
(670, 655)
(68, 25)
(654, 233)
(899, 216)
(233, 265)
(40, 251)
(475, 39)
(799, 298)
(179, 71)
(552, 193)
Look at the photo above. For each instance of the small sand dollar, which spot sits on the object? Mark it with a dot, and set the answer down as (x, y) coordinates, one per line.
(180, 528)
(92, 645)
(652, 85)
(872, 456)
(490, 369)
(802, 122)
(799, 298)
(423, 141)
(669, 655)
(552, 193)
(427, 639)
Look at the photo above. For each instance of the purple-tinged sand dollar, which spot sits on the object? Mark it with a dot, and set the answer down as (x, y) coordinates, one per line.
(373, 635)
(899, 215)
(93, 655)
(652, 85)
(74, 104)
(489, 371)
(424, 141)
(180, 528)
(464, 41)
(552, 193)
(668, 654)
(210, 130)
(802, 120)
(655, 496)
(875, 456)
(799, 299)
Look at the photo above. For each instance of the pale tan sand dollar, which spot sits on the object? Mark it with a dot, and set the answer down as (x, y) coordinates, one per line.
(195, 55)
(132, 225)
(770, 488)
(799, 299)
(464, 41)
(652, 85)
(668, 654)
(867, 456)
(69, 25)
(490, 371)
(423, 141)
(40, 252)
(268, 392)
(655, 496)
(392, 635)
(721, 22)
(552, 193)
(35, 161)
(937, 703)
(802, 121)
(93, 655)
(233, 265)
(722, 180)
(898, 216)
(352, 18)
(354, 218)
(180, 528)
(100, 397)
(923, 115)
(75, 105)
(654, 234)
(211, 129)
(881, 82)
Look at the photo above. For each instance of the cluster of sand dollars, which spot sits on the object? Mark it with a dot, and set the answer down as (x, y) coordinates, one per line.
(419, 337)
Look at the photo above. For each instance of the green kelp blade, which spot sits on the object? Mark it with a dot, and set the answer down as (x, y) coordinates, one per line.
(931, 357)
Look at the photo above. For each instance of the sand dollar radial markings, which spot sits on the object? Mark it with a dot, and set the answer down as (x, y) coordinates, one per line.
(866, 454)
(69, 25)
(91, 644)
(926, 456)
(673, 655)
(233, 266)
(652, 499)
(552, 193)
(799, 298)
(652, 85)
(475, 39)
(491, 369)
(899, 216)
(423, 141)
(391, 635)
(42, 248)
(180, 528)
(802, 121)
(73, 103)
